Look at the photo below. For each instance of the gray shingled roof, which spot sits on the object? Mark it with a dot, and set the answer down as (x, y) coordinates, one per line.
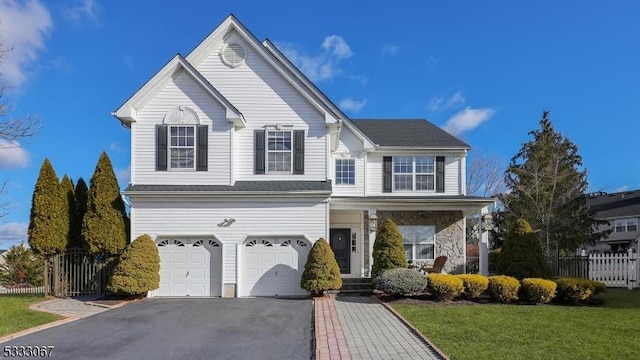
(407, 132)
(615, 205)
(241, 186)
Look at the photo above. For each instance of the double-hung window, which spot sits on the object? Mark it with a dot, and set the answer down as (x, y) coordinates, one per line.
(419, 241)
(345, 172)
(279, 151)
(629, 224)
(182, 147)
(414, 173)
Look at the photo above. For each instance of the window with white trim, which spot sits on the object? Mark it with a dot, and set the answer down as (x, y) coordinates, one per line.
(345, 172)
(279, 151)
(419, 241)
(182, 146)
(624, 225)
(414, 173)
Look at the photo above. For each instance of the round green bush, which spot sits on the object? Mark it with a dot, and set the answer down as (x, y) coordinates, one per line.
(521, 255)
(138, 270)
(576, 290)
(539, 291)
(474, 284)
(321, 271)
(445, 286)
(504, 288)
(400, 282)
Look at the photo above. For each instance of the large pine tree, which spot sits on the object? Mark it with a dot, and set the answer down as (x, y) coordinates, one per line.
(547, 187)
(71, 209)
(47, 225)
(81, 192)
(105, 224)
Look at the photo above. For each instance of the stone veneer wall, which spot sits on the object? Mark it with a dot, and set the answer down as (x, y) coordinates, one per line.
(449, 225)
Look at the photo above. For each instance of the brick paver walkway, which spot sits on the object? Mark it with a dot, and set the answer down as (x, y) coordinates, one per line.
(330, 341)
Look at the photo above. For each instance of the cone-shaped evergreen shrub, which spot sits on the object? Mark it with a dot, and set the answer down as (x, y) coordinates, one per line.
(521, 255)
(105, 224)
(81, 192)
(47, 226)
(138, 270)
(21, 268)
(71, 210)
(388, 249)
(321, 271)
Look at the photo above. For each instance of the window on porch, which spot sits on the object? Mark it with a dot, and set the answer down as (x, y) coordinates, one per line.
(419, 241)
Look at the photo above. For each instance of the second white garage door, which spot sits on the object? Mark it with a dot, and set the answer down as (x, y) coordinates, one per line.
(273, 267)
(189, 267)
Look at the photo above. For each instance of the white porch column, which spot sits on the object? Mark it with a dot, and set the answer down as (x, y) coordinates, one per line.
(483, 244)
(372, 238)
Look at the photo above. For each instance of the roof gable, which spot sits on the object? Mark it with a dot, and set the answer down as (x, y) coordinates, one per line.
(408, 133)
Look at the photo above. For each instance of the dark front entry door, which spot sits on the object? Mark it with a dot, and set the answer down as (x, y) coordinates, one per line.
(340, 245)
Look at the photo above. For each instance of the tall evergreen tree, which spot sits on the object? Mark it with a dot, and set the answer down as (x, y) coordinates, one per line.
(71, 207)
(547, 187)
(47, 225)
(81, 191)
(105, 224)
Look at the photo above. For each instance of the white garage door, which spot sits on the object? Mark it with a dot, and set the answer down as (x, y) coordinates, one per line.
(189, 267)
(273, 267)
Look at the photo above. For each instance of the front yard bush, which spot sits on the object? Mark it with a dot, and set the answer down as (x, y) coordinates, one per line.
(576, 290)
(504, 288)
(138, 270)
(445, 286)
(388, 249)
(400, 282)
(539, 291)
(321, 271)
(521, 255)
(474, 284)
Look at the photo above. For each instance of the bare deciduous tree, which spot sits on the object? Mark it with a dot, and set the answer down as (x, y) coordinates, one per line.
(485, 175)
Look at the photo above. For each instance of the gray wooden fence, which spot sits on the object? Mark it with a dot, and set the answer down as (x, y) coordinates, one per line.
(76, 273)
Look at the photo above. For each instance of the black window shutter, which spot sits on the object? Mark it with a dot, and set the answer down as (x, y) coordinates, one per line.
(440, 174)
(202, 148)
(161, 147)
(298, 152)
(387, 169)
(258, 137)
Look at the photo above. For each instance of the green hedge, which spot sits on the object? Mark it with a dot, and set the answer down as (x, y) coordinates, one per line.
(504, 288)
(539, 291)
(445, 286)
(576, 290)
(474, 285)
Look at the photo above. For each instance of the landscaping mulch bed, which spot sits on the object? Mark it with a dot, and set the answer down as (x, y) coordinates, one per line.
(428, 300)
(114, 299)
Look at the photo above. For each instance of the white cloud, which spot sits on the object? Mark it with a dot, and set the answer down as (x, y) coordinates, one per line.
(442, 103)
(324, 65)
(23, 29)
(390, 50)
(467, 119)
(84, 9)
(115, 146)
(128, 62)
(621, 188)
(12, 233)
(124, 175)
(12, 155)
(352, 105)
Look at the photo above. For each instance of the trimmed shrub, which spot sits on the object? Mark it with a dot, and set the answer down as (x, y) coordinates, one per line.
(576, 290)
(521, 255)
(494, 260)
(539, 291)
(321, 271)
(474, 285)
(138, 270)
(401, 282)
(503, 288)
(445, 286)
(388, 249)
(21, 268)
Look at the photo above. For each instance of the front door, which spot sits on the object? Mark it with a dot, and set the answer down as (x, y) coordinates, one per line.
(340, 245)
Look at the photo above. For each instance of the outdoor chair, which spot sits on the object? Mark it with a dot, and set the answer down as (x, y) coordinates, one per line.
(438, 265)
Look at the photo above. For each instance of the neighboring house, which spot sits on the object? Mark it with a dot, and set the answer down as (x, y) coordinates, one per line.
(3, 254)
(239, 164)
(622, 211)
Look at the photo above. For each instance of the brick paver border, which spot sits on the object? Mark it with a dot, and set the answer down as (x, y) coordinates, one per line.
(330, 340)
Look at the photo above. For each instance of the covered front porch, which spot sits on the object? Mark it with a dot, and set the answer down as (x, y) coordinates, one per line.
(430, 226)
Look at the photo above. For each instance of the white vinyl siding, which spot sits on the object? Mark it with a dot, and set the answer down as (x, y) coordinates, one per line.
(349, 147)
(201, 217)
(181, 90)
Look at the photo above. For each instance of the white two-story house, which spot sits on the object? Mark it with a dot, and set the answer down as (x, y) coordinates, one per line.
(239, 164)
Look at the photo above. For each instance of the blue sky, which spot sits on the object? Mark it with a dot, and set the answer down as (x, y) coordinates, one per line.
(484, 70)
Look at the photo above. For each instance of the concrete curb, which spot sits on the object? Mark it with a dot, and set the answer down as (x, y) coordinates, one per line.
(413, 329)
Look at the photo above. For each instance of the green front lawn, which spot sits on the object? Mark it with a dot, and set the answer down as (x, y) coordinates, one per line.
(15, 314)
(493, 331)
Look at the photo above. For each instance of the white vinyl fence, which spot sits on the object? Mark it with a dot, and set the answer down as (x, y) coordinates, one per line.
(615, 269)
(22, 290)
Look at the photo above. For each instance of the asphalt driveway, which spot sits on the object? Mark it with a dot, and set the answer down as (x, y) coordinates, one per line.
(262, 328)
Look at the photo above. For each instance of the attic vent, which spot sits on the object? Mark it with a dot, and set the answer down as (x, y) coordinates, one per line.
(233, 54)
(181, 115)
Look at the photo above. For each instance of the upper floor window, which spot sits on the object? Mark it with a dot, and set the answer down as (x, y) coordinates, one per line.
(345, 172)
(419, 241)
(414, 173)
(629, 224)
(182, 147)
(279, 151)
